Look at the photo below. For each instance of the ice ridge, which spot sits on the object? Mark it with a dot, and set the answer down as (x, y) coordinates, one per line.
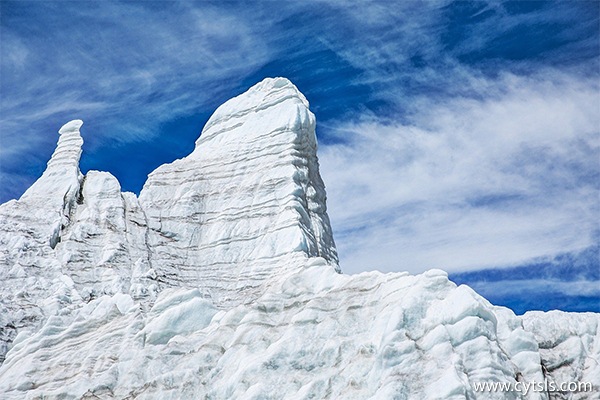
(221, 281)
(246, 205)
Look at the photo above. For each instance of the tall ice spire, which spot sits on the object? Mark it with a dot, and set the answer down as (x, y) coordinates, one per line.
(60, 181)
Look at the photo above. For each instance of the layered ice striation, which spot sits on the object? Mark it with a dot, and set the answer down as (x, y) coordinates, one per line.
(247, 204)
(221, 281)
(30, 230)
(313, 334)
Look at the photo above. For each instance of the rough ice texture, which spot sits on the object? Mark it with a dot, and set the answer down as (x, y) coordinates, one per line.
(221, 281)
(569, 346)
(247, 204)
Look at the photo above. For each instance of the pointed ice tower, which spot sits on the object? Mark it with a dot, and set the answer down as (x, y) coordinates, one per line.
(55, 192)
(61, 178)
(30, 229)
(248, 202)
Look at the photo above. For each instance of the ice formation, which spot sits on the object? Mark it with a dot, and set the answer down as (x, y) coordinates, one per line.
(221, 281)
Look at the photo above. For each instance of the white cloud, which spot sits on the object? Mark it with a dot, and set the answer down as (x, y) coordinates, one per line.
(122, 61)
(516, 288)
(123, 67)
(469, 183)
(500, 175)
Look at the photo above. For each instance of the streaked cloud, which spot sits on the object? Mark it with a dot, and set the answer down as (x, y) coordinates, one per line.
(458, 135)
(125, 68)
(470, 183)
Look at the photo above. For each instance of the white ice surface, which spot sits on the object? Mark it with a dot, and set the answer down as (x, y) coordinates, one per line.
(221, 281)
(313, 334)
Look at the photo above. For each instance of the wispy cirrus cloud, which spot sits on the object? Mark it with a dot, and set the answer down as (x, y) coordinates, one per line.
(119, 54)
(125, 68)
(470, 183)
(453, 134)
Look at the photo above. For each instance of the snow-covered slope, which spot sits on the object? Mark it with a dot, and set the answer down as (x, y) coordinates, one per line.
(221, 281)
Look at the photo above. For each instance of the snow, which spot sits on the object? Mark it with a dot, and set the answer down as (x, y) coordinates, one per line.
(180, 314)
(569, 346)
(60, 181)
(299, 339)
(253, 185)
(222, 281)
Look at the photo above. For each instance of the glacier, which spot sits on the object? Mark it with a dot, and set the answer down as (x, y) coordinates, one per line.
(221, 280)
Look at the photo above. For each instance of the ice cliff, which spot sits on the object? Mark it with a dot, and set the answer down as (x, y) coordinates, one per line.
(221, 281)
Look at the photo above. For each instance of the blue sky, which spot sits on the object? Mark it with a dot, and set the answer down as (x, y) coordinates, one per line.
(455, 135)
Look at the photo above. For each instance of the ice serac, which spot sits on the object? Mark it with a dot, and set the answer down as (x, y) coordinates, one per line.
(30, 229)
(225, 270)
(103, 250)
(56, 191)
(314, 334)
(69, 239)
(60, 181)
(569, 347)
(247, 204)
